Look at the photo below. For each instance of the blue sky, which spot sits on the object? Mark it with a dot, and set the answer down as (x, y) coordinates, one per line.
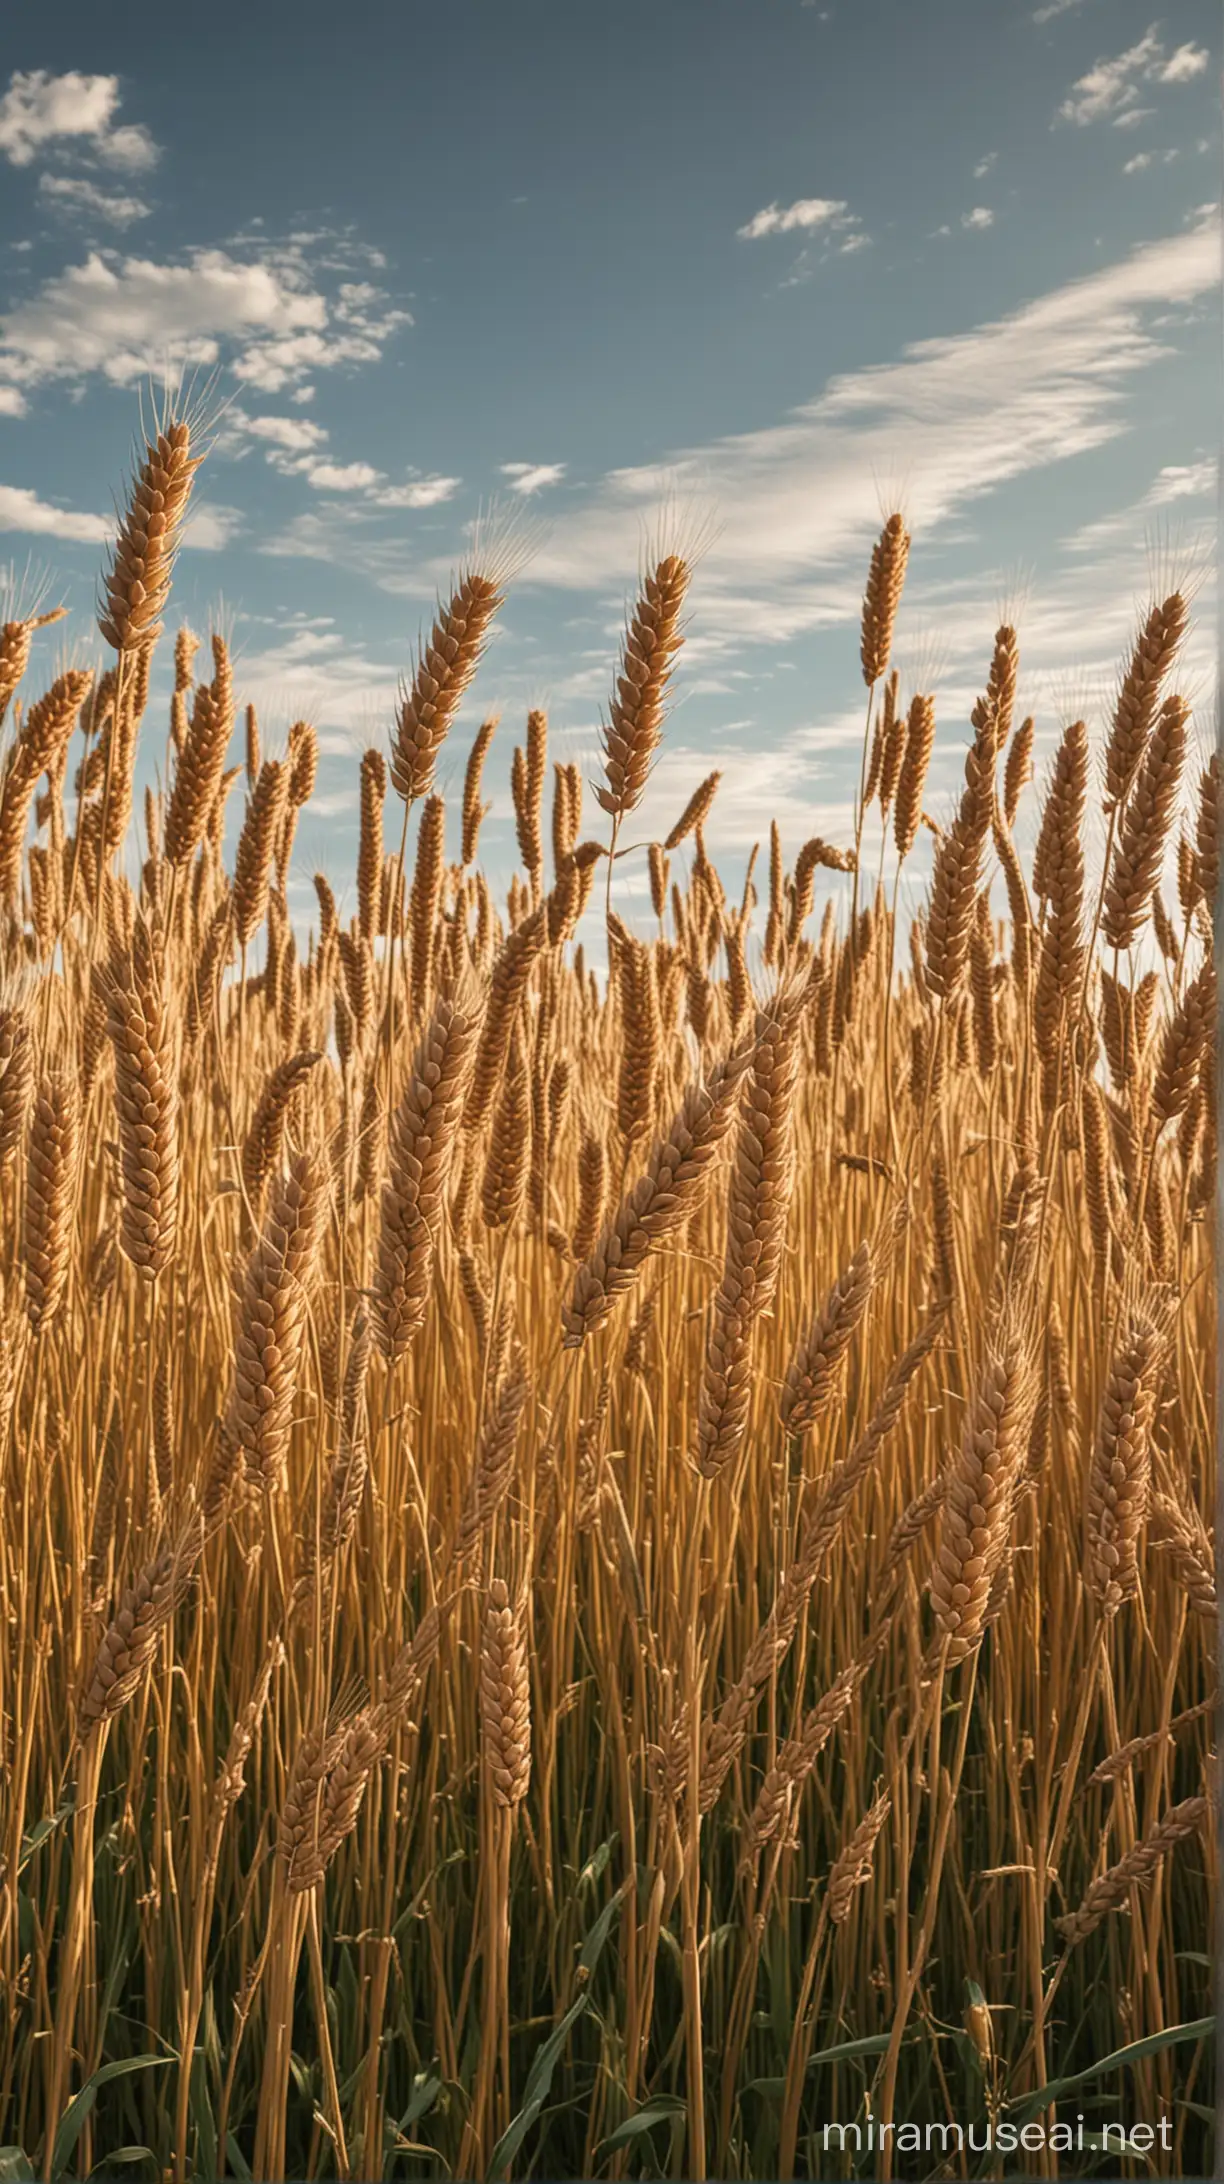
(761, 261)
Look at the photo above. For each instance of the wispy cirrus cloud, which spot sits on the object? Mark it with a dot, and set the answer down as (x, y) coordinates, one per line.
(958, 417)
(797, 503)
(40, 113)
(1110, 90)
(1174, 484)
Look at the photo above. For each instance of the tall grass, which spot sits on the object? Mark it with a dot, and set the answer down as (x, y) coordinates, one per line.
(595, 1575)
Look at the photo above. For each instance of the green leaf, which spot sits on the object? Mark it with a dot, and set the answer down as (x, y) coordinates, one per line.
(303, 2075)
(115, 1977)
(592, 1947)
(72, 2122)
(34, 1839)
(661, 2109)
(598, 1861)
(425, 2091)
(845, 2052)
(237, 2159)
(15, 2166)
(508, 2144)
(544, 2062)
(124, 2157)
(1173, 2036)
(200, 2105)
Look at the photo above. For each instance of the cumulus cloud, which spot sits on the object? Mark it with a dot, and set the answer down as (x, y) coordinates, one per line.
(12, 402)
(209, 527)
(75, 194)
(273, 365)
(40, 111)
(1138, 163)
(984, 166)
(528, 478)
(295, 434)
(805, 213)
(1183, 66)
(341, 477)
(125, 316)
(1110, 89)
(22, 510)
(980, 217)
(296, 447)
(418, 493)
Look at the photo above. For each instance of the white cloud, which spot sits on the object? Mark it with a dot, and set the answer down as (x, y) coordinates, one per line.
(131, 147)
(341, 477)
(1175, 483)
(73, 193)
(1185, 481)
(295, 434)
(273, 365)
(40, 110)
(1110, 90)
(958, 417)
(1138, 163)
(530, 478)
(22, 510)
(1052, 8)
(980, 217)
(12, 402)
(125, 316)
(418, 493)
(1112, 84)
(984, 166)
(806, 213)
(295, 445)
(121, 317)
(209, 528)
(1181, 67)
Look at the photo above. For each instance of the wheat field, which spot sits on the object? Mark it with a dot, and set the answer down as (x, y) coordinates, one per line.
(597, 1573)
